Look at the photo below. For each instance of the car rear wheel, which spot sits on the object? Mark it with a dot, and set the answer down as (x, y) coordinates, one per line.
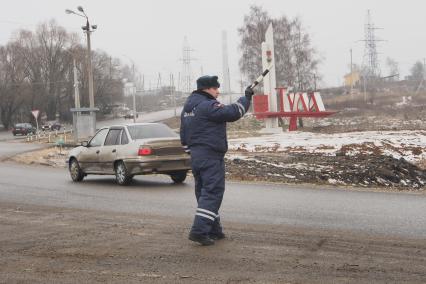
(122, 175)
(179, 177)
(75, 171)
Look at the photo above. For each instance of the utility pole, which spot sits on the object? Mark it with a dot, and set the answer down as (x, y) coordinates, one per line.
(159, 83)
(178, 83)
(172, 92)
(365, 87)
(186, 66)
(88, 29)
(423, 79)
(110, 67)
(225, 65)
(352, 76)
(143, 82)
(134, 92)
(89, 66)
(79, 127)
(371, 66)
(76, 89)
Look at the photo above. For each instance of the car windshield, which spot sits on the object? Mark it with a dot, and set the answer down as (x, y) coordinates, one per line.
(150, 131)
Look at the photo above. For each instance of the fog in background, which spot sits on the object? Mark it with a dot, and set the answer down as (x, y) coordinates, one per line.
(151, 33)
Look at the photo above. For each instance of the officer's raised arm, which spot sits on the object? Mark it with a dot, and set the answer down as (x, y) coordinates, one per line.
(227, 113)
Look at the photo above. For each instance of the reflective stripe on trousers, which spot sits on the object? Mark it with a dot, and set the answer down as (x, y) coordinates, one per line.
(209, 178)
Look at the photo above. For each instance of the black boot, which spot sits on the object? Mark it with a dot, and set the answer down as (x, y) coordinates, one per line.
(201, 239)
(217, 236)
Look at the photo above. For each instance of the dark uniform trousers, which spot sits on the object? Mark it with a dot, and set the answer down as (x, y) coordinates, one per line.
(209, 176)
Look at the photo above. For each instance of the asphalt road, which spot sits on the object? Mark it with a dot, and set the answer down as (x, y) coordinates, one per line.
(388, 214)
(12, 148)
(7, 135)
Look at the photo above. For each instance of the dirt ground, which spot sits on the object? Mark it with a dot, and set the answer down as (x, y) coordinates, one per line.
(56, 245)
(365, 171)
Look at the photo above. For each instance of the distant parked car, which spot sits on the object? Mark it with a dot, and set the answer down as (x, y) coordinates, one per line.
(23, 129)
(51, 126)
(130, 116)
(129, 150)
(55, 126)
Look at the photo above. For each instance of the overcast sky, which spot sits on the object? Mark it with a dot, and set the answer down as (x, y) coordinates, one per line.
(151, 33)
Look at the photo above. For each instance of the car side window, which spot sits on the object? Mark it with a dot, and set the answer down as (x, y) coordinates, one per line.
(124, 138)
(99, 138)
(113, 137)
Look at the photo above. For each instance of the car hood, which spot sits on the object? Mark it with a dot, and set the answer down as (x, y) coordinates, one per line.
(75, 151)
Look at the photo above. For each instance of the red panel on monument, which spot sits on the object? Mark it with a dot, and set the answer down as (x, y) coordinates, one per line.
(260, 103)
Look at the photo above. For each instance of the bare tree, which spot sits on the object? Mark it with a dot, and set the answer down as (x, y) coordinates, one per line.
(296, 60)
(46, 64)
(31, 54)
(284, 52)
(52, 40)
(13, 85)
(305, 57)
(45, 81)
(393, 69)
(252, 35)
(108, 82)
(417, 71)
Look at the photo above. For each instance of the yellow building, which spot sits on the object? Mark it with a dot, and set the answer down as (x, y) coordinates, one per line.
(352, 79)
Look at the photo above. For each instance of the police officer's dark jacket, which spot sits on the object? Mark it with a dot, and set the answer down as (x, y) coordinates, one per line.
(203, 124)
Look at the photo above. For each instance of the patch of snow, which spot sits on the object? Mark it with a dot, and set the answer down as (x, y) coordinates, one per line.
(289, 176)
(393, 143)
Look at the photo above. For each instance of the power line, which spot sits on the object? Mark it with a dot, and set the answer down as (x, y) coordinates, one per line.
(186, 76)
(371, 66)
(225, 64)
(371, 59)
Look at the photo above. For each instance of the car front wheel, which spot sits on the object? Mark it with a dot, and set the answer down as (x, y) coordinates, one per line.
(75, 171)
(122, 175)
(179, 177)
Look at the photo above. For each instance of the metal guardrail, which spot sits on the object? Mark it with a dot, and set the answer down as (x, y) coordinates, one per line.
(50, 136)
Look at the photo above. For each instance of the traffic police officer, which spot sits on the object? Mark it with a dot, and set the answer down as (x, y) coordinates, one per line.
(203, 134)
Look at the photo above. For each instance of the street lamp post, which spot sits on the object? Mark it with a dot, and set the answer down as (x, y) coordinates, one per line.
(84, 119)
(134, 102)
(76, 90)
(130, 89)
(76, 83)
(134, 88)
(88, 29)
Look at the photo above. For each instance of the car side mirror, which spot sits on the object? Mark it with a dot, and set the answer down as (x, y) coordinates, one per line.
(84, 144)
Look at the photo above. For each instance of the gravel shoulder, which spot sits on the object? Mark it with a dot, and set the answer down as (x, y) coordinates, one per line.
(50, 244)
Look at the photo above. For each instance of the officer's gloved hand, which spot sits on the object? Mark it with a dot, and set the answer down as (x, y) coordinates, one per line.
(249, 93)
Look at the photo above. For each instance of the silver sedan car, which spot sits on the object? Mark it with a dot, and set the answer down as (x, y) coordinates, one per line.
(129, 150)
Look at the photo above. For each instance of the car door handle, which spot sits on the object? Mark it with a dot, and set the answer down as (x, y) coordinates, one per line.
(114, 150)
(97, 152)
